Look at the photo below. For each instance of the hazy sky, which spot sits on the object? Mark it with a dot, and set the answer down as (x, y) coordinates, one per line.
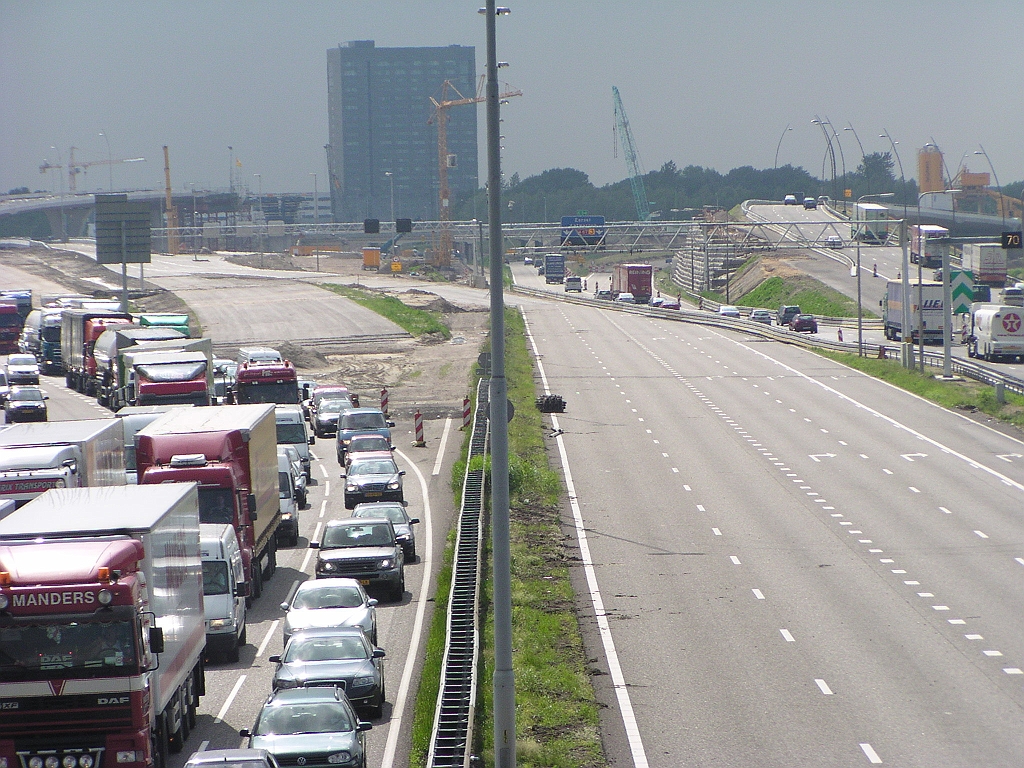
(709, 83)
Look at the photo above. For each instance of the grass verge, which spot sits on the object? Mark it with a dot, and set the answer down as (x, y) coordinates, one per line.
(812, 296)
(967, 395)
(417, 322)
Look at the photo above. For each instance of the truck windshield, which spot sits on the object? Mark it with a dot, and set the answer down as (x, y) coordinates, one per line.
(216, 506)
(284, 485)
(10, 320)
(215, 577)
(67, 649)
(286, 393)
(51, 334)
(172, 371)
(291, 433)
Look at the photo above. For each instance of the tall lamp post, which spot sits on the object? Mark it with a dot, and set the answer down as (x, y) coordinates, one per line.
(860, 310)
(907, 347)
(391, 180)
(504, 696)
(1002, 209)
(779, 145)
(829, 150)
(316, 202)
(110, 163)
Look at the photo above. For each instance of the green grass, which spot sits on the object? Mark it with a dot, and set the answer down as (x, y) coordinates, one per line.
(812, 296)
(964, 395)
(417, 322)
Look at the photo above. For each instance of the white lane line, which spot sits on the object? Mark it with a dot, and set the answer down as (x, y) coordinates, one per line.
(266, 638)
(203, 745)
(993, 653)
(957, 621)
(323, 507)
(871, 755)
(787, 636)
(716, 532)
(327, 489)
(398, 709)
(700, 508)
(230, 700)
(1019, 560)
(441, 446)
(323, 469)
(823, 686)
(981, 535)
(629, 722)
(735, 560)
(945, 510)
(309, 552)
(758, 594)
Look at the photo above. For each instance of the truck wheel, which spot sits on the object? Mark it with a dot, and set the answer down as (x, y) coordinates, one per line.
(158, 742)
(175, 741)
(272, 557)
(257, 581)
(232, 653)
(241, 637)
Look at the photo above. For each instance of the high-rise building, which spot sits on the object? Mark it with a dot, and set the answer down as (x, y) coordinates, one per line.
(380, 145)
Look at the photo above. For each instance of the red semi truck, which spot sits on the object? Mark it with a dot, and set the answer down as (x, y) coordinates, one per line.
(635, 279)
(267, 382)
(11, 323)
(231, 452)
(101, 627)
(80, 328)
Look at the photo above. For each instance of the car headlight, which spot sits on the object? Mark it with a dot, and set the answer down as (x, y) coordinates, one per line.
(338, 758)
(288, 682)
(351, 487)
(346, 441)
(402, 537)
(325, 565)
(221, 623)
(394, 485)
(387, 562)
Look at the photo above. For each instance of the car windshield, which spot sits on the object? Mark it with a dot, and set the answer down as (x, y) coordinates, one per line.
(291, 433)
(373, 467)
(329, 597)
(159, 372)
(21, 360)
(333, 406)
(363, 444)
(215, 577)
(288, 719)
(325, 649)
(284, 485)
(344, 536)
(27, 394)
(393, 513)
(66, 649)
(363, 421)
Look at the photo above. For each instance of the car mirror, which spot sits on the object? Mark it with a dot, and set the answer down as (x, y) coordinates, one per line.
(245, 733)
(413, 520)
(312, 440)
(378, 653)
(242, 589)
(372, 602)
(276, 658)
(362, 725)
(46, 397)
(314, 545)
(401, 472)
(391, 423)
(284, 606)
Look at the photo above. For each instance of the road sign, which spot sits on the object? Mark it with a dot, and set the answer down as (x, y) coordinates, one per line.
(961, 283)
(121, 225)
(1011, 240)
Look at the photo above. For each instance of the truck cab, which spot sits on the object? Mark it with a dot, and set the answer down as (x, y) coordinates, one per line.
(224, 590)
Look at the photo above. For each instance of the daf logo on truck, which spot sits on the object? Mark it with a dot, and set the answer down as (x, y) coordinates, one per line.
(112, 700)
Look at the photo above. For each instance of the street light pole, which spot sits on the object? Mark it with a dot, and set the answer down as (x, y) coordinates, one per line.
(860, 310)
(779, 145)
(110, 164)
(316, 202)
(1002, 210)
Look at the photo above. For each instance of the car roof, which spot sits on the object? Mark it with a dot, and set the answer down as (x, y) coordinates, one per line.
(206, 757)
(18, 388)
(356, 521)
(330, 583)
(327, 632)
(313, 693)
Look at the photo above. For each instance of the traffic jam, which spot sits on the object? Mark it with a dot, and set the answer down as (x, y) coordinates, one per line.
(132, 547)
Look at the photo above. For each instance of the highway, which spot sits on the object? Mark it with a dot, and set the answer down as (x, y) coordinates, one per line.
(799, 565)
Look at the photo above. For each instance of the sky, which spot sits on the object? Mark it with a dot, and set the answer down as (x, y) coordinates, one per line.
(712, 83)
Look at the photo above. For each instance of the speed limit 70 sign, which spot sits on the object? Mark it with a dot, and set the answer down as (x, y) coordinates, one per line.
(1011, 240)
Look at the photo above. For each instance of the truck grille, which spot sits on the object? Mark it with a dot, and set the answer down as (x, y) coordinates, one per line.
(42, 720)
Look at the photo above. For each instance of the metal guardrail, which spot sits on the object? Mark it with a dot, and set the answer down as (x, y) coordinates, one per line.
(452, 733)
(960, 367)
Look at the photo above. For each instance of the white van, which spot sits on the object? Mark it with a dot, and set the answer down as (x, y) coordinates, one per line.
(224, 590)
(288, 531)
(291, 430)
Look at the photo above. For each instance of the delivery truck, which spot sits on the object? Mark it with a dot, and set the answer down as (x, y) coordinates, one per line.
(59, 454)
(996, 333)
(933, 240)
(133, 418)
(231, 451)
(107, 350)
(636, 279)
(924, 299)
(554, 268)
(79, 330)
(101, 627)
(987, 261)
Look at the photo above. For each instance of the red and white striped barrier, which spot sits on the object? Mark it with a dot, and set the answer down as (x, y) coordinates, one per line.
(465, 413)
(418, 421)
(384, 400)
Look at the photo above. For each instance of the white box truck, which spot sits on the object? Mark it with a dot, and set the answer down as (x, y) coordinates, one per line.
(987, 261)
(60, 454)
(997, 333)
(925, 299)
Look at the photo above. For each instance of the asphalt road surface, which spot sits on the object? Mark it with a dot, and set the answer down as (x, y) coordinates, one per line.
(797, 565)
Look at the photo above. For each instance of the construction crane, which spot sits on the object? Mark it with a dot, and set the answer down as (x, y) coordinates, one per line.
(446, 161)
(172, 212)
(76, 167)
(636, 177)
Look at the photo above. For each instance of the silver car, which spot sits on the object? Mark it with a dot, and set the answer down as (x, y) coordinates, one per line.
(331, 603)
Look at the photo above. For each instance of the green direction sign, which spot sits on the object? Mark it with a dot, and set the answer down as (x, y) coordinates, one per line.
(122, 230)
(961, 283)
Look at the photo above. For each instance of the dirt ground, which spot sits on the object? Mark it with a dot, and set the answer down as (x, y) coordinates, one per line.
(429, 374)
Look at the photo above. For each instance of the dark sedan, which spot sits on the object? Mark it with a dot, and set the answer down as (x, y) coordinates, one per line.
(334, 656)
(325, 420)
(375, 478)
(25, 404)
(315, 728)
(804, 323)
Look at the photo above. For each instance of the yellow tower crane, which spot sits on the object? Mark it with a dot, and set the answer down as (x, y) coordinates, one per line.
(445, 160)
(75, 167)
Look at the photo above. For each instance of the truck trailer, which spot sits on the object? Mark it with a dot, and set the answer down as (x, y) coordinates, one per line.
(924, 299)
(79, 330)
(987, 261)
(231, 451)
(101, 627)
(997, 333)
(636, 279)
(554, 268)
(107, 350)
(933, 239)
(165, 372)
(59, 454)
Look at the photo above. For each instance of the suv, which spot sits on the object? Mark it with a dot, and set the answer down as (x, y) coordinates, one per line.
(786, 313)
(361, 421)
(365, 549)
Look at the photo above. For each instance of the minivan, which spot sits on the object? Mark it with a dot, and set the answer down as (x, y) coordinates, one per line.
(291, 430)
(361, 421)
(224, 590)
(288, 531)
(786, 313)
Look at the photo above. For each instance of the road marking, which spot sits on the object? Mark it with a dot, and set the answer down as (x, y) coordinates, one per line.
(398, 708)
(441, 446)
(940, 607)
(993, 653)
(912, 583)
(817, 457)
(912, 456)
(787, 636)
(327, 489)
(957, 621)
(1013, 670)
(266, 638)
(925, 594)
(231, 698)
(913, 489)
(981, 535)
(871, 754)
(323, 507)
(716, 532)
(203, 745)
(945, 510)
(735, 560)
(686, 488)
(324, 470)
(974, 637)
(887, 471)
(700, 508)
(823, 686)
(758, 594)
(1019, 560)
